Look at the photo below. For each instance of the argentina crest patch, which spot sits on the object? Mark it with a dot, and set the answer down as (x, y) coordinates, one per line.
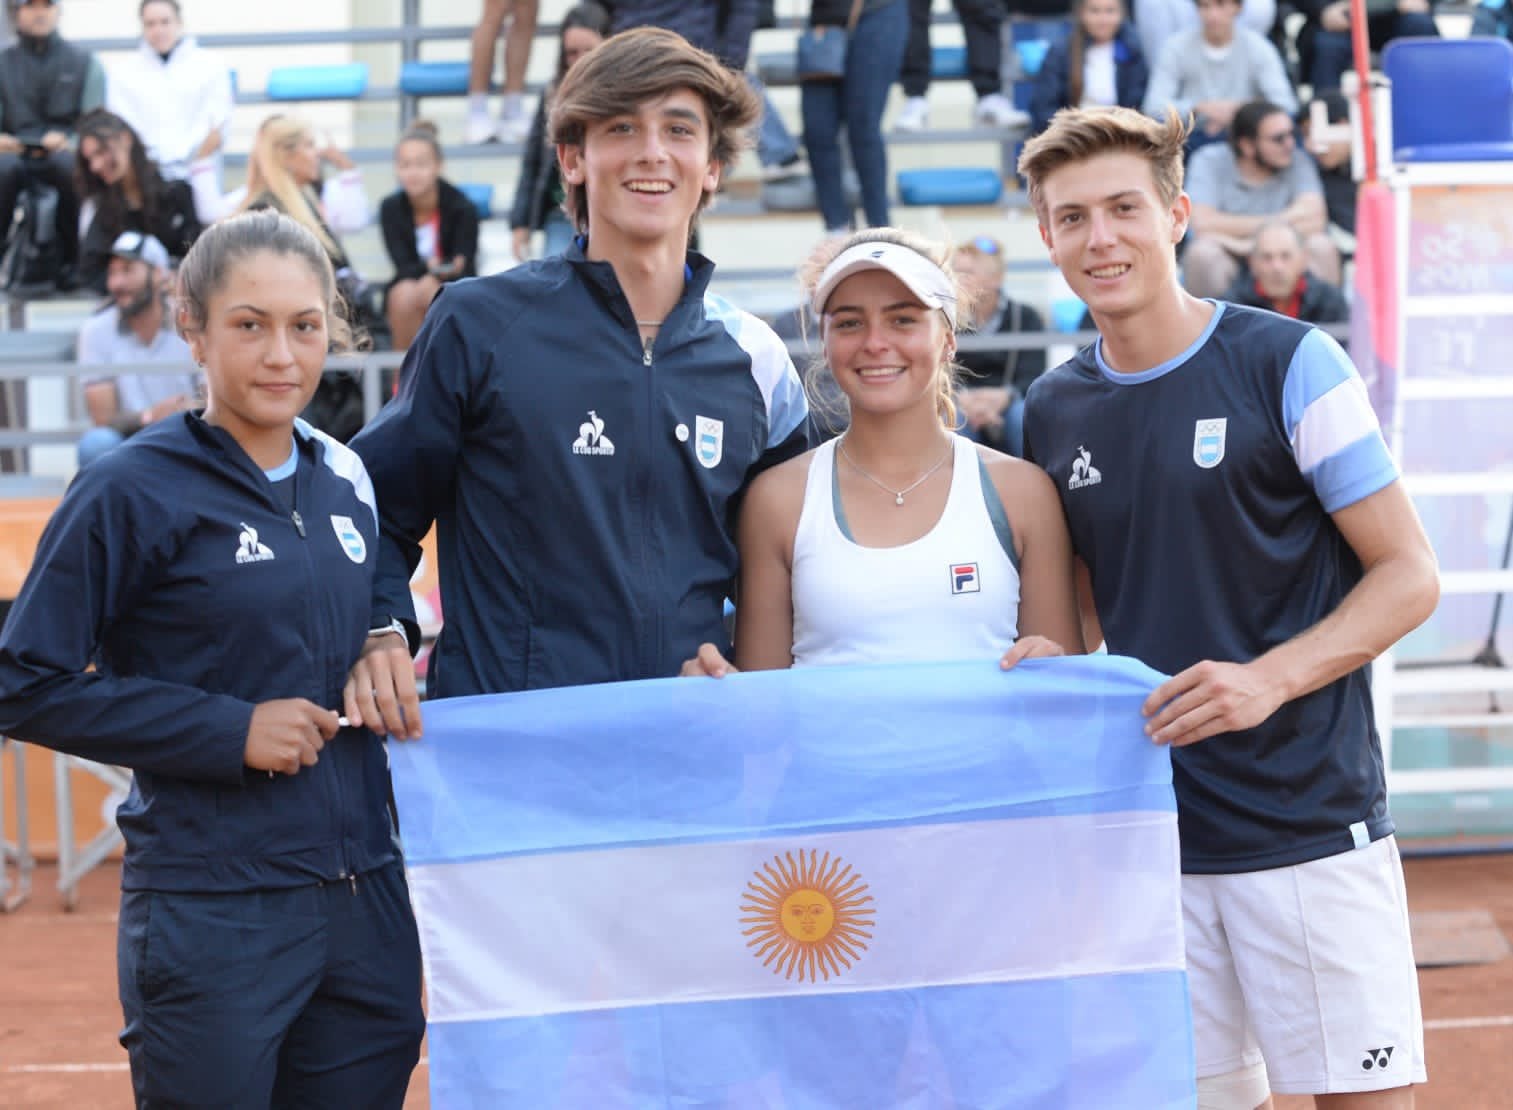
(709, 441)
(350, 538)
(1208, 442)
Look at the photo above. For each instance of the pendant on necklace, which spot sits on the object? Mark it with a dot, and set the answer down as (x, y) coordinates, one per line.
(898, 499)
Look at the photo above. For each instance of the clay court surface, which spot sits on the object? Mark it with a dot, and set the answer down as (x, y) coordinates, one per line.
(59, 1016)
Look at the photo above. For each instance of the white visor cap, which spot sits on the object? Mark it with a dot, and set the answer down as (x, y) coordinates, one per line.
(923, 278)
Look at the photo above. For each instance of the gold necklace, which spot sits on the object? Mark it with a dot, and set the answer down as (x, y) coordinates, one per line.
(898, 494)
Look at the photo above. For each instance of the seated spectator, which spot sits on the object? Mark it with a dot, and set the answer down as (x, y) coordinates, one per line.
(513, 122)
(430, 231)
(982, 26)
(176, 96)
(46, 84)
(1324, 47)
(123, 191)
(282, 174)
(538, 190)
(1279, 279)
(1213, 69)
(137, 326)
(994, 382)
(343, 200)
(1325, 127)
(1158, 20)
(1099, 64)
(1238, 186)
(1492, 19)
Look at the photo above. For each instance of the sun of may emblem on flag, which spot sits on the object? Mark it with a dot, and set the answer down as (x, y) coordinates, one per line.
(808, 916)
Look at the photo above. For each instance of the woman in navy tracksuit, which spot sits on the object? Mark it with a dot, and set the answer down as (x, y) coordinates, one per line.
(217, 573)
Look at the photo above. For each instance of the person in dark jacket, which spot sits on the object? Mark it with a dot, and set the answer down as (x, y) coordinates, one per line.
(114, 174)
(1099, 63)
(191, 614)
(579, 428)
(430, 231)
(1279, 279)
(46, 84)
(994, 383)
(538, 191)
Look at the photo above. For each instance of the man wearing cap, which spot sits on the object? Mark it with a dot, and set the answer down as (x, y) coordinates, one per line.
(136, 327)
(46, 84)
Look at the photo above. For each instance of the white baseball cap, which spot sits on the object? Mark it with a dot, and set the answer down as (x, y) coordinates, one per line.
(136, 244)
(922, 277)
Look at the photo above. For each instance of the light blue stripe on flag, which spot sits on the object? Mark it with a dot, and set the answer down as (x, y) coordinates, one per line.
(925, 885)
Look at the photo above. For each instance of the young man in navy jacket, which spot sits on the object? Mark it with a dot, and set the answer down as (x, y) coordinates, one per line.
(580, 427)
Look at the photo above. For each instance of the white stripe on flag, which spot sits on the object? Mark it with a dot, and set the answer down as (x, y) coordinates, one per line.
(909, 906)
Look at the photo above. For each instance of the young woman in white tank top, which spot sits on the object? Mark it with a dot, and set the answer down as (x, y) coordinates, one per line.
(899, 541)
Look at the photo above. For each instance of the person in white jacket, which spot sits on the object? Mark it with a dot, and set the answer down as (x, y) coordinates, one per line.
(174, 94)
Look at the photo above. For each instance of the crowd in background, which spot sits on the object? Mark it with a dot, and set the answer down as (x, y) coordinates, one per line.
(90, 156)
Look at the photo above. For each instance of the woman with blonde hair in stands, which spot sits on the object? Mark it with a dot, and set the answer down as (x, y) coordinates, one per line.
(283, 174)
(843, 549)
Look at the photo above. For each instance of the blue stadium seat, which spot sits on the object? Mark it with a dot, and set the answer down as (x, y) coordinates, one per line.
(948, 61)
(333, 82)
(482, 196)
(1452, 99)
(957, 185)
(433, 78)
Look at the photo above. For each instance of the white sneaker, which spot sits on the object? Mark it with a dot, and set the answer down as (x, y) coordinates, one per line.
(514, 126)
(478, 129)
(914, 115)
(996, 110)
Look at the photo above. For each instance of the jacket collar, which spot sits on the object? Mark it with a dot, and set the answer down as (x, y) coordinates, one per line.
(601, 277)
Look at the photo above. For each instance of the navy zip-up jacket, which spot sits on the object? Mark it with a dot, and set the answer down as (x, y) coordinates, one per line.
(172, 565)
(583, 490)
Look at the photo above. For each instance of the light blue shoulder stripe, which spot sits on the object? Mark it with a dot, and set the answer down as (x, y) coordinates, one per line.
(1318, 365)
(1353, 474)
(783, 392)
(345, 463)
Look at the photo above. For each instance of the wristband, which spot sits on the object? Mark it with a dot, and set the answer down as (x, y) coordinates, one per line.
(394, 625)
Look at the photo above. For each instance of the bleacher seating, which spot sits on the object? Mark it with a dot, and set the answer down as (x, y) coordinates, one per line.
(950, 185)
(346, 81)
(1452, 99)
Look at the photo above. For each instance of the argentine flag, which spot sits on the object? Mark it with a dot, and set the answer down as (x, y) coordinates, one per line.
(922, 886)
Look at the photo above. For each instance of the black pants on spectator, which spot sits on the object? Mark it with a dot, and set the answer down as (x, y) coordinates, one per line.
(981, 23)
(57, 170)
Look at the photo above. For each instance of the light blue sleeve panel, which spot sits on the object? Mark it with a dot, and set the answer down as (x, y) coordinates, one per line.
(787, 404)
(1333, 430)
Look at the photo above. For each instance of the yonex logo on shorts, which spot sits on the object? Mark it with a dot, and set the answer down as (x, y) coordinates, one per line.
(1377, 1058)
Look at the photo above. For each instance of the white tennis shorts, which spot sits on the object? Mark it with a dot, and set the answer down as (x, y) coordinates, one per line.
(1310, 968)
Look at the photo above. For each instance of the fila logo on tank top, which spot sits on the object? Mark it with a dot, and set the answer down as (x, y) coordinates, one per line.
(952, 594)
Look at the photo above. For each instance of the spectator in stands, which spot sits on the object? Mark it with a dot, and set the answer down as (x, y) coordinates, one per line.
(513, 121)
(280, 138)
(1156, 21)
(46, 84)
(595, 409)
(282, 175)
(1324, 46)
(176, 96)
(1099, 63)
(123, 191)
(1279, 279)
(1238, 186)
(982, 26)
(1492, 19)
(430, 231)
(538, 190)
(137, 326)
(874, 51)
(1325, 127)
(994, 383)
(1213, 69)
